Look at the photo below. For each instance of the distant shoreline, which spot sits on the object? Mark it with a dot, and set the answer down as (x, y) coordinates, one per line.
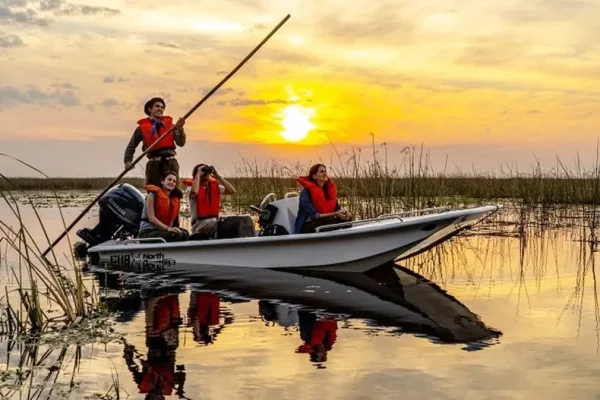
(379, 187)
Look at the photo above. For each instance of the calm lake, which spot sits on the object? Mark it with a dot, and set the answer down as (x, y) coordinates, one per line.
(508, 310)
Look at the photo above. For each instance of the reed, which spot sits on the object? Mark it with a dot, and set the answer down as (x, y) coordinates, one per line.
(372, 186)
(37, 277)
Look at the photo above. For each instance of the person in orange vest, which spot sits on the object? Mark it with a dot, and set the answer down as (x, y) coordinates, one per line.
(203, 312)
(318, 335)
(162, 157)
(318, 203)
(204, 197)
(159, 376)
(160, 216)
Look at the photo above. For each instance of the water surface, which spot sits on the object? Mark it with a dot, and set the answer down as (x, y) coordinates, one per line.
(505, 312)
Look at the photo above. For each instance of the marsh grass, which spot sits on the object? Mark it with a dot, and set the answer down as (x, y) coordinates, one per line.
(28, 369)
(38, 277)
(368, 186)
(521, 252)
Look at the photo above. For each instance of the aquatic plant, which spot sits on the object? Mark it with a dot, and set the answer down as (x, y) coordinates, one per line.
(38, 277)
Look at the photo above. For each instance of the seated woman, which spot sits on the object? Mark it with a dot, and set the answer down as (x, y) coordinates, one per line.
(207, 187)
(160, 217)
(318, 202)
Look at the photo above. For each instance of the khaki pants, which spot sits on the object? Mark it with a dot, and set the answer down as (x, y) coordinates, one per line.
(165, 234)
(206, 227)
(156, 169)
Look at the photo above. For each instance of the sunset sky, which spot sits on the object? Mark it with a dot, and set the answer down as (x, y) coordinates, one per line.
(457, 76)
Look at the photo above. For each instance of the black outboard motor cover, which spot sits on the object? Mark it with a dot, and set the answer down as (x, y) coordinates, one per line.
(120, 210)
(123, 203)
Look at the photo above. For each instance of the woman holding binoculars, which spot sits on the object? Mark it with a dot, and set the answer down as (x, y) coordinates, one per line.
(205, 199)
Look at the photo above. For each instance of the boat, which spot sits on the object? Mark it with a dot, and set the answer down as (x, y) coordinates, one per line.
(354, 246)
(389, 296)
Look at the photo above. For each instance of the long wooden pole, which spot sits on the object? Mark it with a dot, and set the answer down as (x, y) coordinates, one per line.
(206, 97)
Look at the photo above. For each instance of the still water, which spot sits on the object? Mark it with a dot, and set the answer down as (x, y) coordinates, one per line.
(506, 311)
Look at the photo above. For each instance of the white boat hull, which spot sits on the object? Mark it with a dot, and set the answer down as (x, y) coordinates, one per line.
(357, 248)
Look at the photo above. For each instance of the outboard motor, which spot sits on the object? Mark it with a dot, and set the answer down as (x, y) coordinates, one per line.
(119, 217)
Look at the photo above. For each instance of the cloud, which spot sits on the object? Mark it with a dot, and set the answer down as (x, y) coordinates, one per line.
(553, 11)
(27, 17)
(385, 21)
(109, 103)
(63, 8)
(486, 84)
(82, 9)
(250, 102)
(64, 85)
(7, 41)
(205, 90)
(12, 96)
(13, 3)
(50, 5)
(167, 45)
(258, 27)
(493, 51)
(113, 79)
(220, 92)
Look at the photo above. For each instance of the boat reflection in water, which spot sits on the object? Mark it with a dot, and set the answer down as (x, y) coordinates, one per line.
(312, 301)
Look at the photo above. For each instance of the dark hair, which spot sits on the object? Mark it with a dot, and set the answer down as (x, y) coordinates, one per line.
(196, 168)
(164, 176)
(150, 103)
(312, 171)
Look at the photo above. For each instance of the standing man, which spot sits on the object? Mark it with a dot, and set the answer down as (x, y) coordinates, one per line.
(162, 157)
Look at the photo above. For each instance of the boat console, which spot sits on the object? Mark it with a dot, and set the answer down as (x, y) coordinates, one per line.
(279, 216)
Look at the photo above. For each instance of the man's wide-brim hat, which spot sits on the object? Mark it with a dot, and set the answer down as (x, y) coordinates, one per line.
(151, 102)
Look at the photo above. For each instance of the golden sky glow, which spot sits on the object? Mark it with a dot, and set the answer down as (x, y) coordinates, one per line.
(441, 73)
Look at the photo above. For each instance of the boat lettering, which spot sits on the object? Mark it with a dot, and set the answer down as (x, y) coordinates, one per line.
(153, 256)
(154, 265)
(116, 206)
(123, 260)
(143, 262)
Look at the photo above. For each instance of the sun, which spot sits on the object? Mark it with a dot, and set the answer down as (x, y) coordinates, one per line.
(296, 122)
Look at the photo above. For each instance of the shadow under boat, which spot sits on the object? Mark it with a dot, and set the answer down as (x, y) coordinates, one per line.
(389, 295)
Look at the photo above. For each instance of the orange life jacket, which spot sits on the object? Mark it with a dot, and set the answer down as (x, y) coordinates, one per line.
(208, 200)
(162, 314)
(146, 125)
(317, 194)
(323, 332)
(166, 208)
(158, 376)
(207, 311)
